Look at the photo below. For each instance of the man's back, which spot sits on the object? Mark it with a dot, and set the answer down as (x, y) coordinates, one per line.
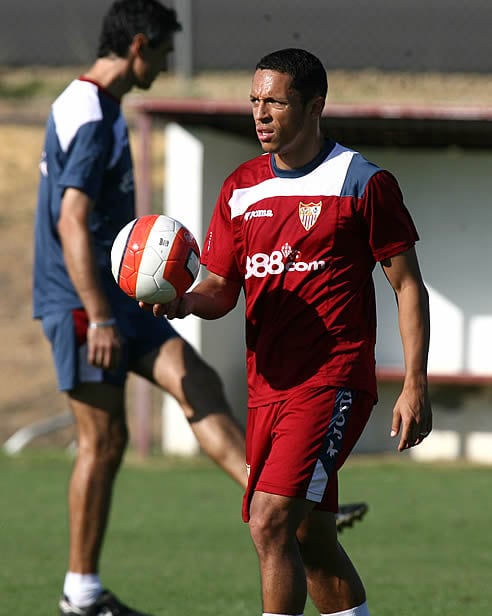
(86, 147)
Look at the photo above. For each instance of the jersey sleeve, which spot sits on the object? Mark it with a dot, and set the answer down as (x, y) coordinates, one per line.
(390, 225)
(87, 159)
(218, 254)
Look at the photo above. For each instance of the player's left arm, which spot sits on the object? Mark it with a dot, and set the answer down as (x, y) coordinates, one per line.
(412, 414)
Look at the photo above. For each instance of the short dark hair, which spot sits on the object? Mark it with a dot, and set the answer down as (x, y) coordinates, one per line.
(127, 18)
(307, 72)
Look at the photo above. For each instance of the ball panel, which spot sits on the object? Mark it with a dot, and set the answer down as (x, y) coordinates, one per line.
(147, 290)
(130, 244)
(181, 268)
(119, 248)
(135, 250)
(193, 263)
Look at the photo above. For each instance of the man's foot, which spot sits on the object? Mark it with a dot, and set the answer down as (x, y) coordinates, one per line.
(105, 605)
(348, 514)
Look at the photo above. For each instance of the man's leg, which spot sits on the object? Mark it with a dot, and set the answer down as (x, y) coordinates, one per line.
(98, 410)
(273, 524)
(102, 436)
(180, 371)
(332, 580)
(298, 552)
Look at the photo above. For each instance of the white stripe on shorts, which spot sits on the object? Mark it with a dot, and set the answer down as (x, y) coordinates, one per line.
(333, 442)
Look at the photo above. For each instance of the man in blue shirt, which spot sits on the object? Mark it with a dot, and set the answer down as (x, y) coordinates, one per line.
(98, 334)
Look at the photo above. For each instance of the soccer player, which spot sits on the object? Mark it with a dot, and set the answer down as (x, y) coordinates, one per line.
(300, 229)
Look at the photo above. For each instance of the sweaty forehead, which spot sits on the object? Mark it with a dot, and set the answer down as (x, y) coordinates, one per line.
(269, 83)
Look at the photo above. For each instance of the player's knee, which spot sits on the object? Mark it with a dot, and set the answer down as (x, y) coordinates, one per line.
(105, 447)
(118, 445)
(203, 391)
(268, 527)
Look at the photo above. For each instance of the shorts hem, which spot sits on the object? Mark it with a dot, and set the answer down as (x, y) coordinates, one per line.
(270, 489)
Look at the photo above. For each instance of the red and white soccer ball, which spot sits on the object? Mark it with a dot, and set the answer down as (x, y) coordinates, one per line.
(155, 259)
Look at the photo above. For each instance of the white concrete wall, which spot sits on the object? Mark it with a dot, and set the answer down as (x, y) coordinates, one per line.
(448, 195)
(462, 425)
(197, 162)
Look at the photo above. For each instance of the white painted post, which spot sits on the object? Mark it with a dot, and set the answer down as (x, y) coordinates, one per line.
(183, 201)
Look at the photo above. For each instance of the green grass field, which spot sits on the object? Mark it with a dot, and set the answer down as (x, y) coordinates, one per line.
(177, 546)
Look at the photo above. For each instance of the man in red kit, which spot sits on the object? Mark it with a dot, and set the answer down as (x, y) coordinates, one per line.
(300, 230)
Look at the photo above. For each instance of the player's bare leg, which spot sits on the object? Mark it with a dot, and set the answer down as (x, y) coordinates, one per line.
(332, 580)
(295, 560)
(102, 436)
(273, 523)
(179, 370)
(220, 438)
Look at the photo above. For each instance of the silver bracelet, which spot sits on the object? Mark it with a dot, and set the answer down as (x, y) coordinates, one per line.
(107, 323)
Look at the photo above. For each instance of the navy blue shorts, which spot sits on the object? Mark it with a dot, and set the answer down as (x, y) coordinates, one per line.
(140, 331)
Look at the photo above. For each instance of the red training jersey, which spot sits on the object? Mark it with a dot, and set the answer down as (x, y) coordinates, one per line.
(304, 244)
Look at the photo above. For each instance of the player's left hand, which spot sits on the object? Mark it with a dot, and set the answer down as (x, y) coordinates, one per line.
(412, 417)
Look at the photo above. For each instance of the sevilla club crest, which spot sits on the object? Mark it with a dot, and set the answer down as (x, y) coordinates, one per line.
(308, 213)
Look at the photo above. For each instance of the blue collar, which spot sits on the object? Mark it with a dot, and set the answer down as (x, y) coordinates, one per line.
(297, 173)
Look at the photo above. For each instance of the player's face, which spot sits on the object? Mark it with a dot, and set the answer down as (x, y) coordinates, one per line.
(285, 126)
(151, 61)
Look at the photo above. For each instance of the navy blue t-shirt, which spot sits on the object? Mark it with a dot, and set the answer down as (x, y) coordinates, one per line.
(86, 147)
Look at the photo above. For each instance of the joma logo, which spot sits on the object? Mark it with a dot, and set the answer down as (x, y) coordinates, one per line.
(258, 214)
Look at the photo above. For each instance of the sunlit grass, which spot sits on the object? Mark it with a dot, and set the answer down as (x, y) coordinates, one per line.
(177, 545)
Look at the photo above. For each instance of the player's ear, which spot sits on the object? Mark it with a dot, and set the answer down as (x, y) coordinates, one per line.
(317, 106)
(139, 44)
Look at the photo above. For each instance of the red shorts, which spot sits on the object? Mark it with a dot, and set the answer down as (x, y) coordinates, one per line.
(296, 446)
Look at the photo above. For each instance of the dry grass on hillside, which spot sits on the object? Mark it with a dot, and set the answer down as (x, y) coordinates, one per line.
(35, 88)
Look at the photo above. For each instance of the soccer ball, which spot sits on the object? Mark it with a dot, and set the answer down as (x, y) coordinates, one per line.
(155, 259)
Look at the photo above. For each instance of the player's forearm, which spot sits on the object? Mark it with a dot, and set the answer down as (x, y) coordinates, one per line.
(81, 266)
(413, 314)
(212, 300)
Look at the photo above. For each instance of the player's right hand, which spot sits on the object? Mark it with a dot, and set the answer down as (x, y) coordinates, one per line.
(176, 309)
(104, 347)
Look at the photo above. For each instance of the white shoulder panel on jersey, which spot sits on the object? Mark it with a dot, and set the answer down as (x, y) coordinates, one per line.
(327, 179)
(77, 105)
